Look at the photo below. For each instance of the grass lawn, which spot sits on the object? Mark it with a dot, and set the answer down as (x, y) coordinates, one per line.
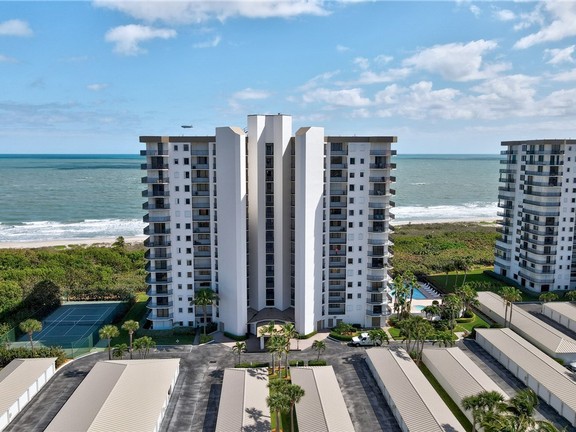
(447, 399)
(285, 422)
(136, 313)
(448, 283)
(467, 327)
(395, 333)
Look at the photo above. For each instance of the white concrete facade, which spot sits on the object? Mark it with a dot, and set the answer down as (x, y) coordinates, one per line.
(282, 227)
(538, 202)
(563, 313)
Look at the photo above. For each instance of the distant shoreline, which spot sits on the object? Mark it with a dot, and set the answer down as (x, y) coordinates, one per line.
(96, 241)
(139, 240)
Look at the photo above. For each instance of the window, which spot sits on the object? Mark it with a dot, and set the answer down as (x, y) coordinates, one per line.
(186, 161)
(177, 226)
(352, 161)
(350, 224)
(359, 295)
(351, 186)
(175, 147)
(175, 161)
(186, 147)
(349, 296)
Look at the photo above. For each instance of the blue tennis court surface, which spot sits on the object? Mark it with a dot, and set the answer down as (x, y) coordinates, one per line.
(75, 320)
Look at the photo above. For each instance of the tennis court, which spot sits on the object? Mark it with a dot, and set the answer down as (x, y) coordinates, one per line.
(74, 321)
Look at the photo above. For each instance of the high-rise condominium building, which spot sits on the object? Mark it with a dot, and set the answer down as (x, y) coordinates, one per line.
(537, 198)
(283, 228)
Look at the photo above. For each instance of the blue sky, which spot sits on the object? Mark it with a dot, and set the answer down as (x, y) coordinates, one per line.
(445, 77)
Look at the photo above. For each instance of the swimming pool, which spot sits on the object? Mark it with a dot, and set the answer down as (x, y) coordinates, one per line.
(416, 295)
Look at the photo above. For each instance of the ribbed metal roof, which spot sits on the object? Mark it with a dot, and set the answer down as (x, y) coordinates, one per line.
(119, 395)
(563, 308)
(542, 368)
(537, 331)
(18, 376)
(416, 401)
(243, 401)
(322, 409)
(460, 372)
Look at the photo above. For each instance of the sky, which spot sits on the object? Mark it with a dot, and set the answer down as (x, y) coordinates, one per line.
(444, 77)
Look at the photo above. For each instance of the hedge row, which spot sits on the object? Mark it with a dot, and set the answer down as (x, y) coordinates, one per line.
(9, 354)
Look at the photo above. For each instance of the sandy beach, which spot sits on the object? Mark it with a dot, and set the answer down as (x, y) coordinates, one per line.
(106, 241)
(102, 241)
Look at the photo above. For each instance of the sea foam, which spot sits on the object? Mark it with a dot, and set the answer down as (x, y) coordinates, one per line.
(447, 212)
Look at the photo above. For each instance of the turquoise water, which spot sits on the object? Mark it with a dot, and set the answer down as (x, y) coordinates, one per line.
(44, 197)
(416, 294)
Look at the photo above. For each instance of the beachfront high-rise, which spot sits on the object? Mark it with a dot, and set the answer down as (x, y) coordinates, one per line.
(537, 197)
(283, 227)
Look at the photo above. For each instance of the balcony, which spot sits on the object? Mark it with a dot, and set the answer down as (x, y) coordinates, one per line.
(151, 304)
(151, 292)
(150, 152)
(149, 267)
(152, 180)
(154, 166)
(150, 254)
(153, 281)
(336, 311)
(149, 230)
(157, 243)
(337, 275)
(154, 218)
(150, 206)
(155, 317)
(378, 311)
(155, 193)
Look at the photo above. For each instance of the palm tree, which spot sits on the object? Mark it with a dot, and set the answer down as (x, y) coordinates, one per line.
(278, 402)
(289, 332)
(108, 332)
(548, 297)
(509, 295)
(29, 327)
(205, 297)
(570, 295)
(131, 326)
(143, 345)
(468, 296)
(379, 336)
(444, 338)
(319, 346)
(484, 405)
(294, 393)
(119, 351)
(452, 308)
(275, 345)
(239, 348)
(431, 311)
(522, 407)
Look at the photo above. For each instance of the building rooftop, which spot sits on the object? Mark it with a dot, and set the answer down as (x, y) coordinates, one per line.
(122, 395)
(535, 363)
(243, 401)
(412, 396)
(540, 333)
(322, 409)
(563, 308)
(18, 376)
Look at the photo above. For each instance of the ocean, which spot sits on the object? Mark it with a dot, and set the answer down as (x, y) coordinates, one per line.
(50, 197)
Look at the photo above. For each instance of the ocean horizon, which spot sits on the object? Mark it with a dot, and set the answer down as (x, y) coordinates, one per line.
(85, 196)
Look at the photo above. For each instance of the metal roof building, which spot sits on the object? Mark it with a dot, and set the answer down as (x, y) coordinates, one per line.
(243, 401)
(414, 402)
(551, 381)
(550, 340)
(20, 380)
(120, 395)
(563, 313)
(322, 408)
(458, 374)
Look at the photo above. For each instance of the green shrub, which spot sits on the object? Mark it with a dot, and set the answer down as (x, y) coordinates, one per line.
(296, 362)
(235, 337)
(341, 337)
(320, 362)
(253, 365)
(9, 354)
(307, 336)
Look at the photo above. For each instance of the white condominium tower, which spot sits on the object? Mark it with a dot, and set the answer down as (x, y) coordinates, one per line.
(537, 198)
(285, 228)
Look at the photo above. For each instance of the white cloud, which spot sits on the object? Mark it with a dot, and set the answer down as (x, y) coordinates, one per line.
(362, 63)
(249, 93)
(457, 61)
(562, 17)
(6, 59)
(475, 10)
(560, 55)
(390, 75)
(15, 28)
(97, 86)
(504, 15)
(383, 59)
(345, 97)
(209, 44)
(196, 11)
(565, 76)
(342, 48)
(127, 38)
(318, 80)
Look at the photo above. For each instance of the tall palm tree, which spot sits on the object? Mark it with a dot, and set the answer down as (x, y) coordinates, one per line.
(29, 327)
(143, 345)
(452, 308)
(468, 296)
(289, 332)
(522, 407)
(294, 393)
(239, 348)
(444, 338)
(108, 332)
(319, 346)
(510, 295)
(275, 345)
(205, 297)
(278, 403)
(131, 326)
